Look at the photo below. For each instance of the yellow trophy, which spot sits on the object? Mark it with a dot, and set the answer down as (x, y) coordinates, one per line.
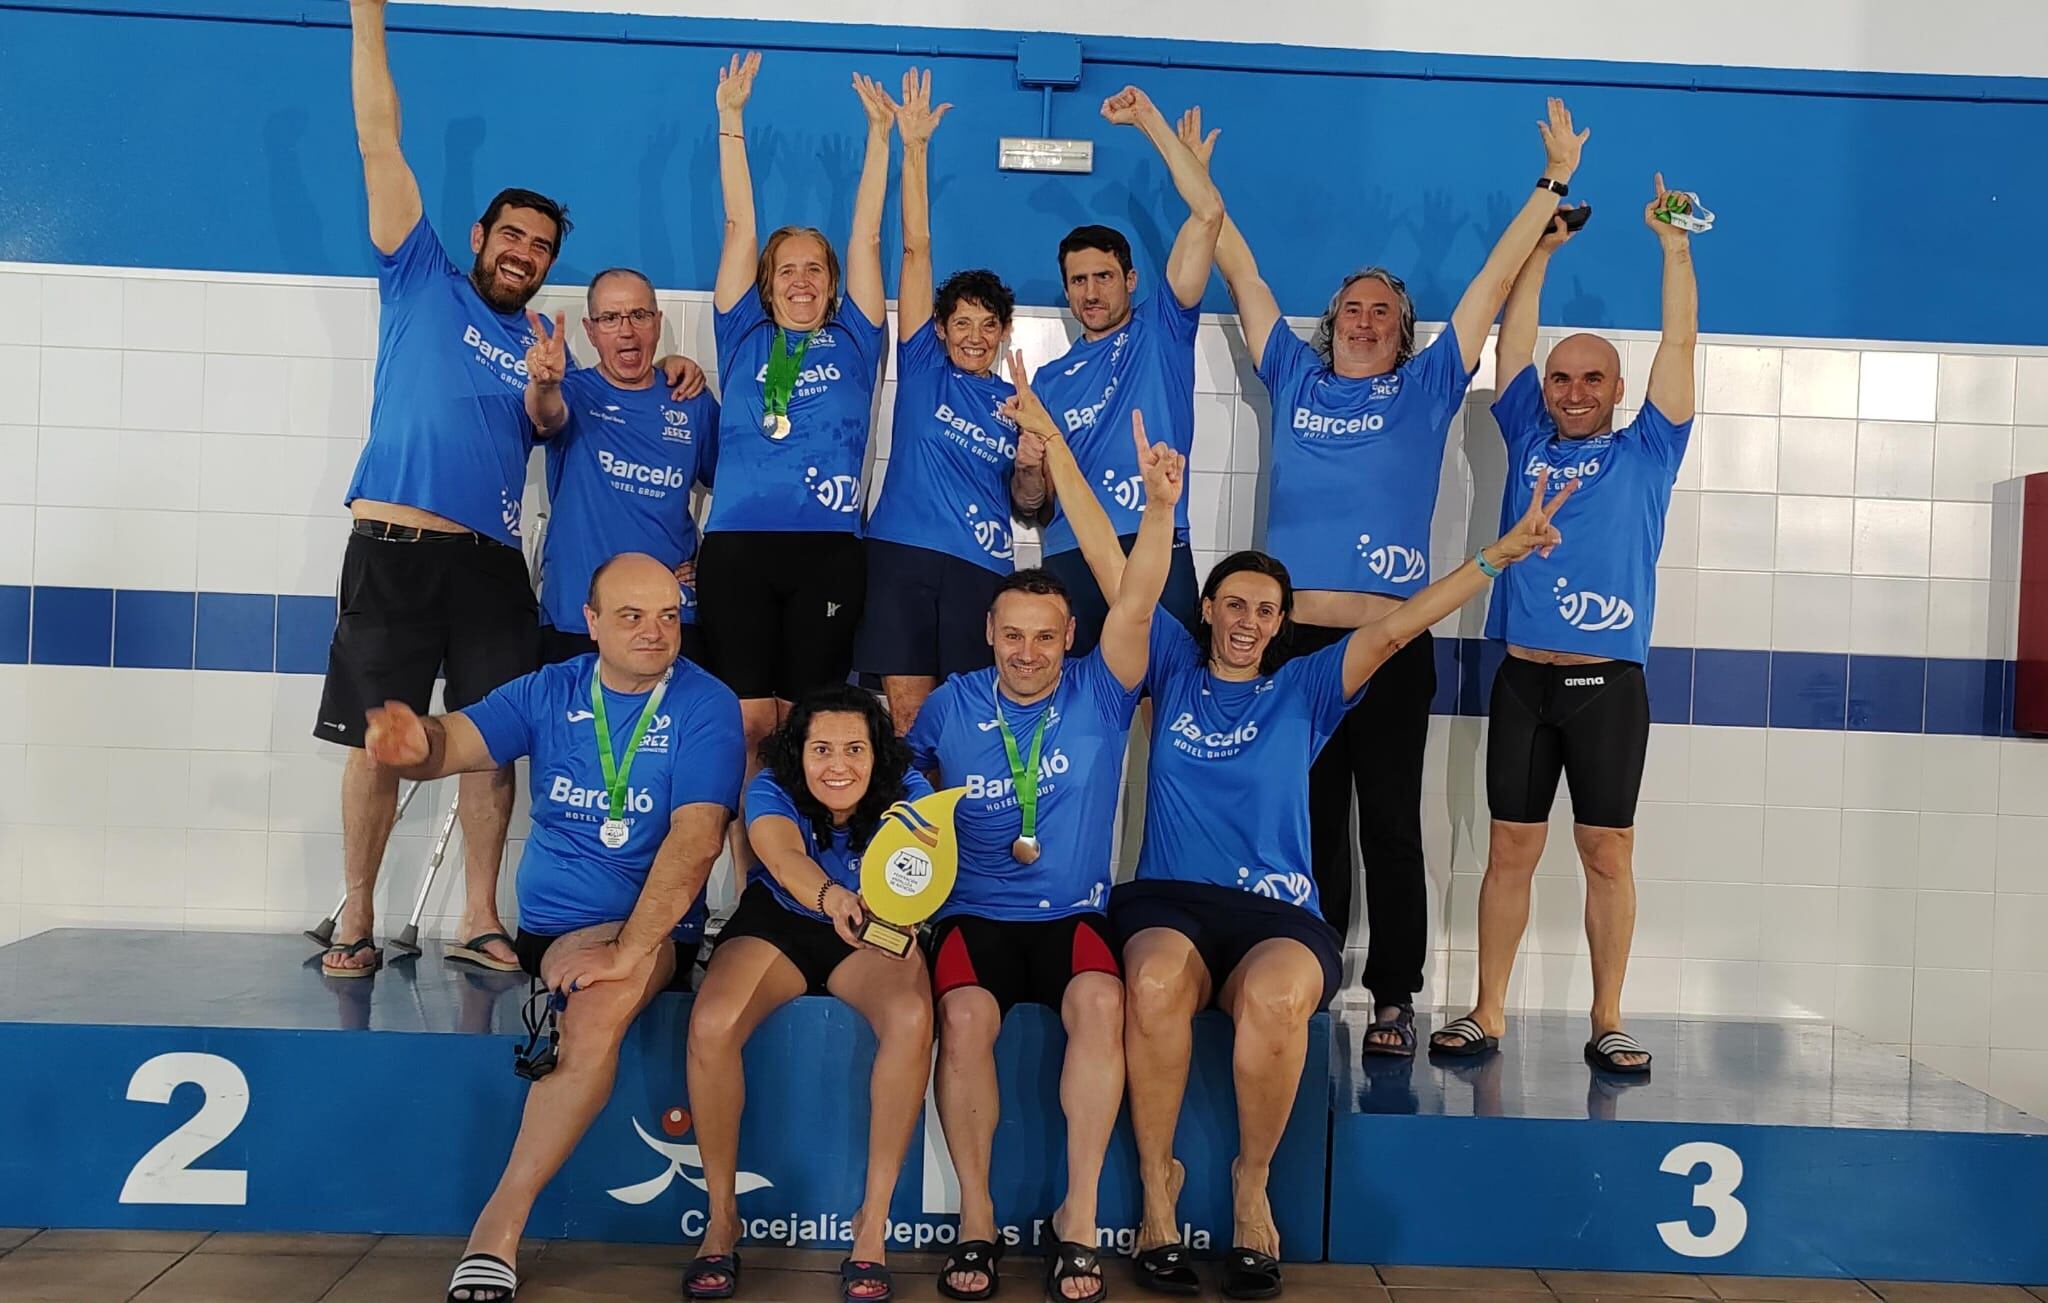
(907, 871)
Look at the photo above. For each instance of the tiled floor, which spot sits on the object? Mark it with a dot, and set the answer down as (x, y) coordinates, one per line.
(193, 1267)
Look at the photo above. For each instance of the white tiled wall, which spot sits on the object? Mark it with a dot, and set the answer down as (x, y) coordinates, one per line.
(167, 430)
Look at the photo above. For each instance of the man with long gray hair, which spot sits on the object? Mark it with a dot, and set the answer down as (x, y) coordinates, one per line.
(1359, 424)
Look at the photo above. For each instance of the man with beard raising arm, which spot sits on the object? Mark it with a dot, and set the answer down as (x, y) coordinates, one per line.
(1570, 697)
(433, 574)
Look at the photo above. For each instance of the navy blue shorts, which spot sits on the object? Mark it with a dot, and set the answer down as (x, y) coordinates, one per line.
(927, 613)
(1182, 597)
(1223, 924)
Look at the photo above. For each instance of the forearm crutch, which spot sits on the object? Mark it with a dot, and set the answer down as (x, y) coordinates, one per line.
(407, 943)
(323, 933)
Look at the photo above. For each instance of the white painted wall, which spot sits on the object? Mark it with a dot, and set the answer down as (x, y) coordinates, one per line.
(2002, 38)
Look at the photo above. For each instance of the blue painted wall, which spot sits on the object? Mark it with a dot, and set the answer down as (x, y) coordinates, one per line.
(1851, 206)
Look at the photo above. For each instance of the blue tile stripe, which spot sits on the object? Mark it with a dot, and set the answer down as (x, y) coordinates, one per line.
(289, 633)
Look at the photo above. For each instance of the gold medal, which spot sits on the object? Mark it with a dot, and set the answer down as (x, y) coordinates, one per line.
(781, 430)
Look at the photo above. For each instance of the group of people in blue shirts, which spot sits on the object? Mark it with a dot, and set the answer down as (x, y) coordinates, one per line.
(681, 683)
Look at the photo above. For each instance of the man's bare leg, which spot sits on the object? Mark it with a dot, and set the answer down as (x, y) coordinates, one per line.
(483, 804)
(1608, 855)
(369, 806)
(969, 1102)
(1512, 852)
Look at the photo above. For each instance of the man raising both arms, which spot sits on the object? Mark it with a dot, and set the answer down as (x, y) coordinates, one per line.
(623, 453)
(1360, 419)
(433, 576)
(1570, 696)
(1130, 358)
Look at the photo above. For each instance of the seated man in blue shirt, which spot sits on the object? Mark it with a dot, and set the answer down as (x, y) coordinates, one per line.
(1570, 699)
(635, 769)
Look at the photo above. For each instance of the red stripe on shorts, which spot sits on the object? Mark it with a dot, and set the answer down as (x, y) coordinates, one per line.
(1092, 953)
(954, 967)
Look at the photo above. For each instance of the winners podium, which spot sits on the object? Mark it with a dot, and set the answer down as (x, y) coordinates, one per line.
(218, 1082)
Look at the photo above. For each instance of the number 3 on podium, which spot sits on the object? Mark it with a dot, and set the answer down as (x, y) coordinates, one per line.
(1716, 1194)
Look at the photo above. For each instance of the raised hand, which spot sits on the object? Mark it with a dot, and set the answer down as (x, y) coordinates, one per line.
(736, 81)
(1128, 107)
(1190, 132)
(875, 102)
(1160, 465)
(916, 119)
(686, 573)
(1560, 146)
(1667, 234)
(1534, 532)
(547, 358)
(395, 737)
(1024, 406)
(1559, 234)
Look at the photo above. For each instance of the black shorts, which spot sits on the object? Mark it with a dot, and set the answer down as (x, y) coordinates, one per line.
(1223, 924)
(1022, 961)
(927, 613)
(558, 645)
(813, 945)
(1181, 599)
(1590, 723)
(532, 946)
(778, 610)
(410, 610)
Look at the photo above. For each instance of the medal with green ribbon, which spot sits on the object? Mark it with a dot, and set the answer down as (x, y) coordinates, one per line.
(612, 832)
(783, 369)
(1024, 781)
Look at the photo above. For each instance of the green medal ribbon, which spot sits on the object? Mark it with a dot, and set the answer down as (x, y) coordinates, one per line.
(783, 369)
(615, 772)
(1023, 777)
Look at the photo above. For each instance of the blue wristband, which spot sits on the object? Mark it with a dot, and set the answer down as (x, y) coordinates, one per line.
(1486, 567)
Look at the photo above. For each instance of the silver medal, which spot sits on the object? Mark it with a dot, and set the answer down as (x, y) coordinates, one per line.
(768, 424)
(1024, 850)
(612, 832)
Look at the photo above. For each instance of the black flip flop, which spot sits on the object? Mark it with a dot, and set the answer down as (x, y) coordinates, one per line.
(483, 1278)
(472, 952)
(1402, 1024)
(1165, 1270)
(350, 951)
(1075, 1261)
(971, 1256)
(854, 1272)
(1251, 1274)
(1600, 1052)
(723, 1267)
(1472, 1040)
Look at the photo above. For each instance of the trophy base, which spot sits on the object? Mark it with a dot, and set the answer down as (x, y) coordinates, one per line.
(886, 936)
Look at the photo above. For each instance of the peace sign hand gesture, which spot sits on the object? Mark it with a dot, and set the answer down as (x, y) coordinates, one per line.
(1190, 132)
(1024, 406)
(916, 119)
(1534, 532)
(1160, 465)
(547, 358)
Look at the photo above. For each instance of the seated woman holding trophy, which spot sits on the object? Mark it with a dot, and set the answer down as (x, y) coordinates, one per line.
(830, 775)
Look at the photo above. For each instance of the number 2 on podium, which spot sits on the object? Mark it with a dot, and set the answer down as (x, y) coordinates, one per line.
(1716, 1194)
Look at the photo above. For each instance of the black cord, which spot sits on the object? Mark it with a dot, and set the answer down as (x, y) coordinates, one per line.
(541, 1015)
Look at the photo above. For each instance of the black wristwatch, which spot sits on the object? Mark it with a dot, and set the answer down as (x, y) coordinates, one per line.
(1558, 188)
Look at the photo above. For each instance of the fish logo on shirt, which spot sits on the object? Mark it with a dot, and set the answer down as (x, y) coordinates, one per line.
(833, 492)
(990, 535)
(1391, 561)
(508, 512)
(1128, 494)
(1294, 888)
(1590, 611)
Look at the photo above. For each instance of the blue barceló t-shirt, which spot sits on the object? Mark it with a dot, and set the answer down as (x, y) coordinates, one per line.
(1356, 464)
(840, 859)
(448, 427)
(1080, 770)
(948, 488)
(694, 752)
(619, 477)
(1597, 592)
(810, 481)
(1226, 798)
(1148, 363)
